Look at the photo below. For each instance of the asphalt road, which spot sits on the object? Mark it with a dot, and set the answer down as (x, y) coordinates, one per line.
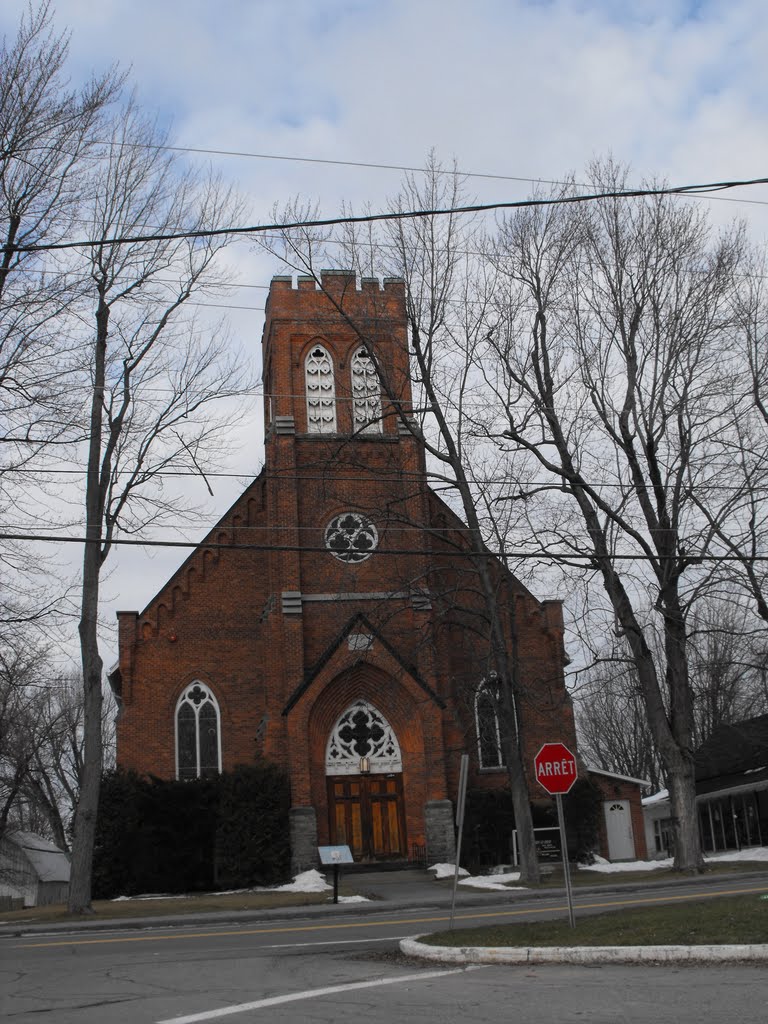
(330, 969)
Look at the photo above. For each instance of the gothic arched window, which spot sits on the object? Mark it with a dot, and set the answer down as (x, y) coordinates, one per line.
(321, 392)
(489, 751)
(362, 741)
(366, 394)
(198, 737)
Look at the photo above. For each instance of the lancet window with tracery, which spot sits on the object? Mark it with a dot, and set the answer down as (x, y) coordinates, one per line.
(489, 749)
(362, 740)
(321, 392)
(198, 737)
(366, 394)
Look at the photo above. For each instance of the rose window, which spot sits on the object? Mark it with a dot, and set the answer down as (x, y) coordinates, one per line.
(351, 537)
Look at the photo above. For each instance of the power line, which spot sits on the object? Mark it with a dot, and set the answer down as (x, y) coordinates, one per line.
(371, 218)
(372, 165)
(400, 475)
(559, 556)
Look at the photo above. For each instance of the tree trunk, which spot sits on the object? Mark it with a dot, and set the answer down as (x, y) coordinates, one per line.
(682, 795)
(93, 756)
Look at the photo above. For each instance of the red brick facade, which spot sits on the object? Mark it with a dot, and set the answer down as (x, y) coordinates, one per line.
(287, 637)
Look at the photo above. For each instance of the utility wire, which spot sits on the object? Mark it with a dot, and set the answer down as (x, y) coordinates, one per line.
(371, 165)
(383, 477)
(199, 233)
(561, 556)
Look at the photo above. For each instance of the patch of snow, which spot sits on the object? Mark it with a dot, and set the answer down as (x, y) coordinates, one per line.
(608, 868)
(150, 896)
(306, 881)
(655, 798)
(353, 899)
(750, 853)
(446, 870)
(493, 881)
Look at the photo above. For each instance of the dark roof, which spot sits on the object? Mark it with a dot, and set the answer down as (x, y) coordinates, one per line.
(734, 749)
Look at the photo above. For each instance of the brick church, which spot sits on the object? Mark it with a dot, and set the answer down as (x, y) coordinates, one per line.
(331, 621)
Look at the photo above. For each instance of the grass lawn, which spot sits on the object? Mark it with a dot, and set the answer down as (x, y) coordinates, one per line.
(721, 920)
(195, 904)
(552, 877)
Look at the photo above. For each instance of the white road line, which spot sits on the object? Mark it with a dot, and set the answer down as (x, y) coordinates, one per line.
(292, 997)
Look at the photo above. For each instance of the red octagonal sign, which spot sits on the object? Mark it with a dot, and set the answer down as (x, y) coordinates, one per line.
(555, 768)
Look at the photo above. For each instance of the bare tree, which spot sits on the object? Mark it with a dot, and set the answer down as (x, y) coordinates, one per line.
(152, 377)
(734, 502)
(727, 657)
(612, 363)
(41, 741)
(612, 723)
(47, 140)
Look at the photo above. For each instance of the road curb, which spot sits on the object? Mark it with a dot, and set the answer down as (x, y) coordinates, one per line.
(441, 900)
(582, 954)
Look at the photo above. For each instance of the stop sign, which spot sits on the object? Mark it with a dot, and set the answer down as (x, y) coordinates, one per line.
(555, 768)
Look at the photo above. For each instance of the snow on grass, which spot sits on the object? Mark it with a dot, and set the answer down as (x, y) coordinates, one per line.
(614, 867)
(495, 881)
(748, 853)
(306, 881)
(149, 896)
(751, 853)
(446, 870)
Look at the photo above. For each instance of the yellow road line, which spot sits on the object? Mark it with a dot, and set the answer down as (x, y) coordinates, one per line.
(346, 925)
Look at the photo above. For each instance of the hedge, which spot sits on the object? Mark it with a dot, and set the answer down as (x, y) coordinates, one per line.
(155, 835)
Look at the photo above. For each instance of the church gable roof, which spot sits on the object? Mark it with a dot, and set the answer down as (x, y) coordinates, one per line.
(444, 518)
(222, 535)
(358, 623)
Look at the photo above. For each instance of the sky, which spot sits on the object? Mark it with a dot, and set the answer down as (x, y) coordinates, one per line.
(516, 91)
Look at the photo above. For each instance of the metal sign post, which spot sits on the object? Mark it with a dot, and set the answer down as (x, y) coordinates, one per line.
(334, 856)
(460, 803)
(566, 864)
(556, 771)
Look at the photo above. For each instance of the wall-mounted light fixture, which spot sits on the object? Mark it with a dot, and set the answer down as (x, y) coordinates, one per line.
(365, 765)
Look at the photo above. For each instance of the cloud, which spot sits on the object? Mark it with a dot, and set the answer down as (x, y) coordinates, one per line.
(677, 89)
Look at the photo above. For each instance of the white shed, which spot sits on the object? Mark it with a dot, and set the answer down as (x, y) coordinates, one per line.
(32, 870)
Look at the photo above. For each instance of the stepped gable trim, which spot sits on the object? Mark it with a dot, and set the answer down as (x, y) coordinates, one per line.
(458, 523)
(209, 539)
(354, 624)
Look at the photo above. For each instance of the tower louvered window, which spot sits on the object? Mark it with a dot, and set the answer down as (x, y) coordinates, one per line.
(321, 392)
(366, 395)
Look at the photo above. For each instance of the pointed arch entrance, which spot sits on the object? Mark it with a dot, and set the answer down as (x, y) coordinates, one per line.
(364, 772)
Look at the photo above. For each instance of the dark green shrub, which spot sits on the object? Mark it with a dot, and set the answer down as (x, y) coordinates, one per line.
(156, 835)
(252, 843)
(489, 819)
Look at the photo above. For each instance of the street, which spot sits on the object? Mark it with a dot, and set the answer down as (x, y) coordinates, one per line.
(331, 969)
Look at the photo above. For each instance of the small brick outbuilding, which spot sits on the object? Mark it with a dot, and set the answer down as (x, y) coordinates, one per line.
(331, 620)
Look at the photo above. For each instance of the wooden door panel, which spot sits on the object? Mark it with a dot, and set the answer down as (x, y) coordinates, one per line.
(365, 812)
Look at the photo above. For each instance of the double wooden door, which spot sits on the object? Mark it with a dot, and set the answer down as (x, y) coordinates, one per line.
(366, 813)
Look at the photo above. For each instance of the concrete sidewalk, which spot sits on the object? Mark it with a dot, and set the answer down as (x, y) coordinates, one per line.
(388, 891)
